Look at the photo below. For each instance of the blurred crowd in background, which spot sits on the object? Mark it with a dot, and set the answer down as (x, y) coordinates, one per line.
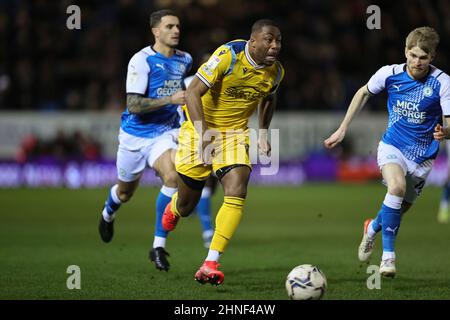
(328, 52)
(60, 147)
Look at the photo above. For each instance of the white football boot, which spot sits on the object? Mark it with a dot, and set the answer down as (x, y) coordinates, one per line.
(387, 268)
(366, 247)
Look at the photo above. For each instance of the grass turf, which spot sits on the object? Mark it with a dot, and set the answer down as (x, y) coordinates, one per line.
(43, 231)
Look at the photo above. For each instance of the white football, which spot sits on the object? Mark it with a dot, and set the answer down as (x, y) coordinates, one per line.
(306, 282)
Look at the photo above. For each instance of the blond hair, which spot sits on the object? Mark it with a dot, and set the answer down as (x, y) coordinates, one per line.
(426, 38)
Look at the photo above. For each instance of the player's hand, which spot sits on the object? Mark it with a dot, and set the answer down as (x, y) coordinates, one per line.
(264, 146)
(439, 133)
(334, 139)
(178, 97)
(210, 139)
(207, 152)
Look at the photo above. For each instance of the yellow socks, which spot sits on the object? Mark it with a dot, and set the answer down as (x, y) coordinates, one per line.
(227, 221)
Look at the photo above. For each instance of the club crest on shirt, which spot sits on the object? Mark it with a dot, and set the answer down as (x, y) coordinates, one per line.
(427, 91)
(182, 68)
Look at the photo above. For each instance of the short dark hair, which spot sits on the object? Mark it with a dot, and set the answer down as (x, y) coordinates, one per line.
(155, 17)
(259, 24)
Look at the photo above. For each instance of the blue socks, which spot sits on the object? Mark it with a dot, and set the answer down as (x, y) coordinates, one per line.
(376, 223)
(112, 204)
(388, 220)
(204, 209)
(164, 197)
(390, 226)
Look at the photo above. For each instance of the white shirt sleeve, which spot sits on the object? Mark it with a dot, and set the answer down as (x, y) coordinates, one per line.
(137, 75)
(187, 81)
(189, 67)
(444, 93)
(377, 82)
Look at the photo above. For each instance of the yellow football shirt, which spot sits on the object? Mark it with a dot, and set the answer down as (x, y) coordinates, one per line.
(237, 84)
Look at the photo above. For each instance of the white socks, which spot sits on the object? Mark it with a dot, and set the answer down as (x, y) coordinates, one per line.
(168, 191)
(392, 201)
(370, 232)
(213, 255)
(159, 242)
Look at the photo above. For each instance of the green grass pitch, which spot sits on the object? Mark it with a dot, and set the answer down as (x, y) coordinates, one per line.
(43, 231)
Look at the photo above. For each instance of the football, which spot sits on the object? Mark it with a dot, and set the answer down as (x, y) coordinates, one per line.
(306, 282)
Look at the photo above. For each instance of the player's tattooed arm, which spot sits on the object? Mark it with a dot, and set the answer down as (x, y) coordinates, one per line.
(137, 104)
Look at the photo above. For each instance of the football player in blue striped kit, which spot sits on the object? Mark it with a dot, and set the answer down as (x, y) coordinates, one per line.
(150, 124)
(418, 98)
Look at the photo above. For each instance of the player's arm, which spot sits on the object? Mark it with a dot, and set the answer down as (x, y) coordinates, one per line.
(208, 73)
(266, 109)
(359, 100)
(194, 104)
(376, 84)
(136, 86)
(138, 104)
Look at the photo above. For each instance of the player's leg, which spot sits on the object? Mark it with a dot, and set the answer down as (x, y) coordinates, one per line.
(387, 157)
(118, 194)
(390, 213)
(204, 210)
(375, 225)
(192, 174)
(130, 165)
(165, 169)
(234, 180)
(183, 201)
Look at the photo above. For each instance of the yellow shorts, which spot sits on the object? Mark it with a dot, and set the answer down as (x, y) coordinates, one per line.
(228, 148)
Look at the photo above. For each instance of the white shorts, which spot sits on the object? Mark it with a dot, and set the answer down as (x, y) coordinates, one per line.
(415, 173)
(135, 153)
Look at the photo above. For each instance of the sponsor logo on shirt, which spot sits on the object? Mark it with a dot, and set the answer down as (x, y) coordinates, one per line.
(169, 87)
(246, 93)
(409, 110)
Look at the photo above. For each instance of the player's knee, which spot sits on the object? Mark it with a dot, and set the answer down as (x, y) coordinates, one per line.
(170, 178)
(397, 189)
(238, 190)
(124, 196)
(185, 206)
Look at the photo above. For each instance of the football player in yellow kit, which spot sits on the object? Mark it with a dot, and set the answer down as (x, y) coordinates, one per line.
(238, 78)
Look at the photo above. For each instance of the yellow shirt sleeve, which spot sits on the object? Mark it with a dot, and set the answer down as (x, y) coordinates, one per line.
(278, 79)
(216, 67)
